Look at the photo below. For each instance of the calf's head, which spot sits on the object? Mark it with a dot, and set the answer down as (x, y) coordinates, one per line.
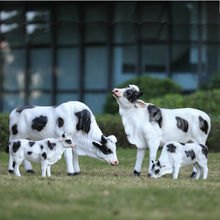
(157, 169)
(106, 149)
(129, 96)
(67, 141)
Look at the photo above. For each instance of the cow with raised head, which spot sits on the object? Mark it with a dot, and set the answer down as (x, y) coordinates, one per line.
(47, 152)
(149, 126)
(175, 155)
(74, 118)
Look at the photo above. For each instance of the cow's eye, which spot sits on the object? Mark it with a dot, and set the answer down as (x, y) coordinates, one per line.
(157, 171)
(68, 141)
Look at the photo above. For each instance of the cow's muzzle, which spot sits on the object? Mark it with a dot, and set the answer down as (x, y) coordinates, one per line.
(114, 163)
(116, 92)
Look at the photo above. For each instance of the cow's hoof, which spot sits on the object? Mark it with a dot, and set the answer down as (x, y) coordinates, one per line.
(149, 175)
(73, 174)
(193, 175)
(30, 171)
(11, 171)
(136, 173)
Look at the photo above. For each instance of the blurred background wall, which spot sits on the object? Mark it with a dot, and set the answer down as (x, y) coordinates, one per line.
(52, 52)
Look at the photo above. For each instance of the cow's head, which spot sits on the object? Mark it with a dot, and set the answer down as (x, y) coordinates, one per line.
(129, 96)
(157, 169)
(67, 141)
(106, 149)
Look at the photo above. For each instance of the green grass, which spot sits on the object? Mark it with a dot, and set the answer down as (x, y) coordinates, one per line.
(105, 192)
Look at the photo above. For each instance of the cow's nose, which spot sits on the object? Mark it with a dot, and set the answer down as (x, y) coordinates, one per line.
(116, 91)
(115, 163)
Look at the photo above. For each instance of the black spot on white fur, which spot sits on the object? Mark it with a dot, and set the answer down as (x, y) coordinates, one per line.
(29, 152)
(31, 143)
(39, 123)
(16, 146)
(191, 154)
(51, 145)
(171, 148)
(14, 129)
(203, 125)
(132, 95)
(204, 150)
(19, 110)
(155, 114)
(182, 124)
(84, 120)
(44, 155)
(60, 122)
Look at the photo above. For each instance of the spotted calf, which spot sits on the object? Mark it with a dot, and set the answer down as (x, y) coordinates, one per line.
(46, 152)
(149, 126)
(175, 155)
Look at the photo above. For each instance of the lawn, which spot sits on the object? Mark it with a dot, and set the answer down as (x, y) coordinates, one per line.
(105, 192)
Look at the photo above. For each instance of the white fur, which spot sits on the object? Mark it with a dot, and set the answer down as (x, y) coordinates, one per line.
(170, 162)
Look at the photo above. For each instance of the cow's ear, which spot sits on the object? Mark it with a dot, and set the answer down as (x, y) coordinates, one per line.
(103, 139)
(140, 104)
(140, 94)
(96, 144)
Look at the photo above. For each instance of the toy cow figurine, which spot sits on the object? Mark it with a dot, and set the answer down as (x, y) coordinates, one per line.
(149, 126)
(46, 152)
(175, 155)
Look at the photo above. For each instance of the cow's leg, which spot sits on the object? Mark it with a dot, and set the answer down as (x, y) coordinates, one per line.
(76, 163)
(153, 147)
(28, 167)
(194, 173)
(69, 161)
(139, 160)
(48, 171)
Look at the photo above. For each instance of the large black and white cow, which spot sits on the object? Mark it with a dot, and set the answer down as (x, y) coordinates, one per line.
(74, 118)
(148, 126)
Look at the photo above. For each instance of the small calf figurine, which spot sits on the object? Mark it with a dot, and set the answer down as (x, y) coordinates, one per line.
(46, 152)
(175, 155)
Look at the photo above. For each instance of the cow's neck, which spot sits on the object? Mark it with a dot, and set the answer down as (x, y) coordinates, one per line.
(132, 118)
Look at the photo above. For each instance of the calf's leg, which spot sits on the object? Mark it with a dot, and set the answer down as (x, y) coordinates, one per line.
(176, 171)
(44, 165)
(16, 170)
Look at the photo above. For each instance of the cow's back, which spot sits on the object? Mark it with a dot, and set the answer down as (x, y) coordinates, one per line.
(188, 124)
(40, 122)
